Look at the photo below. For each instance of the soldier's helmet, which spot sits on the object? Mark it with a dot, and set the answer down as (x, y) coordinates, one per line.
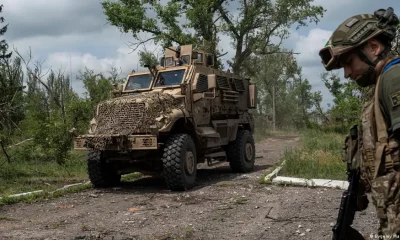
(355, 31)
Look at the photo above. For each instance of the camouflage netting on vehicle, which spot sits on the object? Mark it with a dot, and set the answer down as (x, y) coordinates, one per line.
(130, 115)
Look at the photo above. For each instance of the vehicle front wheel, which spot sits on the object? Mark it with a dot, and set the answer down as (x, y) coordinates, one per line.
(179, 162)
(100, 173)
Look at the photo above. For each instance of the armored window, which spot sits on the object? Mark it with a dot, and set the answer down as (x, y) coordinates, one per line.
(138, 82)
(199, 58)
(170, 78)
(169, 62)
(185, 59)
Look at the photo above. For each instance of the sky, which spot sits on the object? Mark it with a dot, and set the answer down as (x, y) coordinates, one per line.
(74, 34)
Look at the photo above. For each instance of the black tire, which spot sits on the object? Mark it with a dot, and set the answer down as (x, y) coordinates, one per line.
(239, 160)
(100, 173)
(178, 174)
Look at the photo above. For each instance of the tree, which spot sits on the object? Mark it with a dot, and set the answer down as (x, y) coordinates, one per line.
(3, 44)
(147, 58)
(347, 99)
(259, 21)
(98, 87)
(11, 89)
(51, 110)
(279, 75)
(270, 72)
(251, 29)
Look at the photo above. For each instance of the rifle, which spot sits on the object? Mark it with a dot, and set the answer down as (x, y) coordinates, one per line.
(348, 205)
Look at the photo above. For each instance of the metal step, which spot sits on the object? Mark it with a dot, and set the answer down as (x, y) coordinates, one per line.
(215, 158)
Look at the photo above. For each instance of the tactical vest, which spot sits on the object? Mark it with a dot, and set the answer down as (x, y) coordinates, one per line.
(378, 154)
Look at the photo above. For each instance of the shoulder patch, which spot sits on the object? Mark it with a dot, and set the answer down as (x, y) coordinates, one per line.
(395, 97)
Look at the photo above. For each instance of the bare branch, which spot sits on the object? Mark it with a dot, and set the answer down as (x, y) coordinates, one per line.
(216, 20)
(5, 152)
(221, 55)
(139, 44)
(229, 22)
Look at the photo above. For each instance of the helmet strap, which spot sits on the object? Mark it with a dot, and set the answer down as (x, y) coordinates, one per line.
(367, 78)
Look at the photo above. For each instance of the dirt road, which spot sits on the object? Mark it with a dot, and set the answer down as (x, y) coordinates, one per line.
(222, 206)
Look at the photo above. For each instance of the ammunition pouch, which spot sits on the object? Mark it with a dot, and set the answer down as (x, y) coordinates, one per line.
(388, 158)
(350, 148)
(383, 160)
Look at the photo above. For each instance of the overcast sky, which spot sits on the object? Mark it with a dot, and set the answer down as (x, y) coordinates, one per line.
(63, 30)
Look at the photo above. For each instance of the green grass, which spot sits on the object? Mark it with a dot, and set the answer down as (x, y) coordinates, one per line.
(27, 176)
(318, 157)
(47, 194)
(21, 176)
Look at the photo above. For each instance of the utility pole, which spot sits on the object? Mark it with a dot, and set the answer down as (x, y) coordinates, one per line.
(273, 108)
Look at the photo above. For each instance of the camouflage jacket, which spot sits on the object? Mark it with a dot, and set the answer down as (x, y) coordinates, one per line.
(380, 119)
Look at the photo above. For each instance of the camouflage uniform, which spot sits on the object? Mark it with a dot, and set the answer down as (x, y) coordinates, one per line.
(376, 151)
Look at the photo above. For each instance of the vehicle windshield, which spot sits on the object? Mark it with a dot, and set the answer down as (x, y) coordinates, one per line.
(138, 82)
(170, 78)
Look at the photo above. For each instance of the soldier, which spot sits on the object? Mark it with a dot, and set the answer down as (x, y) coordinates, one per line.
(361, 45)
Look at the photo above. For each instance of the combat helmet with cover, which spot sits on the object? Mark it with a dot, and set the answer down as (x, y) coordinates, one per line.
(356, 31)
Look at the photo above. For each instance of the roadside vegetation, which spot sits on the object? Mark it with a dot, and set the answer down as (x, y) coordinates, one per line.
(319, 156)
(21, 176)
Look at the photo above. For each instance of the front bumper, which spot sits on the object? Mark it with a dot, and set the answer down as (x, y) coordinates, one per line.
(116, 142)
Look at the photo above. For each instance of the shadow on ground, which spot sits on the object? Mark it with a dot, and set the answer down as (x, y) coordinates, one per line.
(205, 178)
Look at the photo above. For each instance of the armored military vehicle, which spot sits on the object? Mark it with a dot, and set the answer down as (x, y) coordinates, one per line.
(171, 118)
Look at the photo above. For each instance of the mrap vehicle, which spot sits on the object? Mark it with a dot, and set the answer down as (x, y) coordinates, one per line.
(171, 118)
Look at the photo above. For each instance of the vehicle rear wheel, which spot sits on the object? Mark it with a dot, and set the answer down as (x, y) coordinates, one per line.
(100, 173)
(179, 162)
(241, 152)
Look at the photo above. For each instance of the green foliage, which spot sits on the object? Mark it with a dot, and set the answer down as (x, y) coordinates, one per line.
(98, 87)
(147, 58)
(51, 109)
(347, 100)
(4, 55)
(11, 87)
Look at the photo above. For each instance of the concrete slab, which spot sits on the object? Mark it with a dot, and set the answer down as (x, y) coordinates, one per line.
(311, 182)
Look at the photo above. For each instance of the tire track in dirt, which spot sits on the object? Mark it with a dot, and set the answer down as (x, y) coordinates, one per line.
(223, 205)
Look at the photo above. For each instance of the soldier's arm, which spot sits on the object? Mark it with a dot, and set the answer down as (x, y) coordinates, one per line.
(390, 99)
